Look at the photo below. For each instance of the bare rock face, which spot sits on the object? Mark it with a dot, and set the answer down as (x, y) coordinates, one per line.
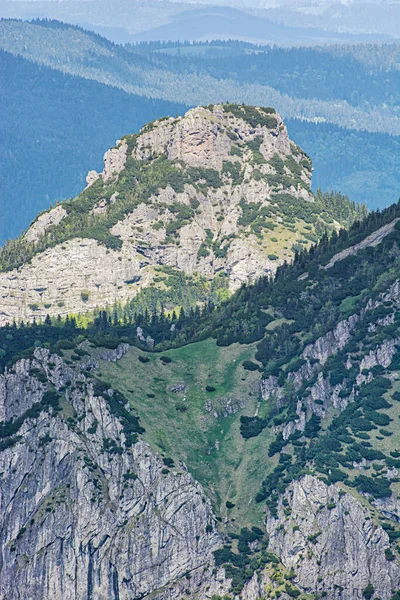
(371, 240)
(382, 355)
(80, 274)
(234, 170)
(84, 514)
(333, 341)
(198, 139)
(43, 222)
(331, 542)
(114, 160)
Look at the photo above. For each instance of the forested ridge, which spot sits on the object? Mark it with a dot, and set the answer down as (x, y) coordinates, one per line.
(320, 82)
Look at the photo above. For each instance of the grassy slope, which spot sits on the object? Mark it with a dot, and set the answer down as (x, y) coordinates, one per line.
(231, 472)
(235, 470)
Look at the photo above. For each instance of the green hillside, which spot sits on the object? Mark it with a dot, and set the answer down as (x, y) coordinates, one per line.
(291, 376)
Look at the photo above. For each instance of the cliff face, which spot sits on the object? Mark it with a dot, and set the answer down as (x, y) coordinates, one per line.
(86, 513)
(220, 191)
(89, 512)
(332, 542)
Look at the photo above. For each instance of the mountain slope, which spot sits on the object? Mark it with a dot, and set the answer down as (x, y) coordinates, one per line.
(289, 424)
(326, 409)
(54, 128)
(88, 500)
(221, 194)
(289, 79)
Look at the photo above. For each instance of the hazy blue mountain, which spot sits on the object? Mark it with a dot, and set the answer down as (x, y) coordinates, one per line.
(124, 20)
(363, 165)
(210, 23)
(363, 16)
(54, 128)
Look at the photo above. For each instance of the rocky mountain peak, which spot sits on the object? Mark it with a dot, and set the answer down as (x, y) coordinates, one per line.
(204, 137)
(218, 193)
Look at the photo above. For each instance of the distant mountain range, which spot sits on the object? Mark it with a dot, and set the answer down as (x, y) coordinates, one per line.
(130, 21)
(212, 23)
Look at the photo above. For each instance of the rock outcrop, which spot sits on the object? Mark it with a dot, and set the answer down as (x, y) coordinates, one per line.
(84, 513)
(333, 341)
(370, 241)
(332, 542)
(43, 222)
(211, 193)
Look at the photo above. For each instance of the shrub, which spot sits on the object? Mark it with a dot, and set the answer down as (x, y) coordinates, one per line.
(378, 418)
(368, 592)
(277, 445)
(378, 487)
(143, 359)
(251, 426)
(291, 591)
(203, 252)
(249, 365)
(389, 554)
(165, 359)
(252, 115)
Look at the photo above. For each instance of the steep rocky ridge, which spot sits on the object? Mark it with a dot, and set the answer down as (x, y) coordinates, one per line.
(332, 542)
(221, 192)
(85, 511)
(323, 395)
(89, 514)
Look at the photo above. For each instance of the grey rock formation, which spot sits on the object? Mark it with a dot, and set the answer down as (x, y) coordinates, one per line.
(323, 395)
(82, 274)
(331, 542)
(43, 222)
(333, 341)
(85, 516)
(370, 241)
(223, 407)
(112, 355)
(382, 355)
